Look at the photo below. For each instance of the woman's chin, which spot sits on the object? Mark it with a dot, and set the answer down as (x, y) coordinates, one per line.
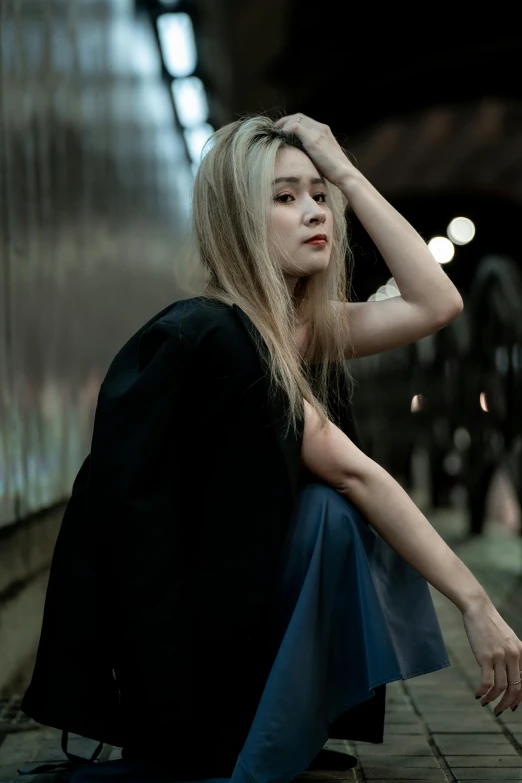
(310, 266)
(320, 264)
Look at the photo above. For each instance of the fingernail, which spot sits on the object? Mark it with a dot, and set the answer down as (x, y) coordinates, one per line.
(497, 714)
(486, 704)
(478, 697)
(514, 708)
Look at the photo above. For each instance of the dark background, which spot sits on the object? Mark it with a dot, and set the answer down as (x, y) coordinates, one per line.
(426, 98)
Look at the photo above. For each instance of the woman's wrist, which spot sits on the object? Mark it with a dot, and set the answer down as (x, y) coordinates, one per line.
(476, 601)
(349, 180)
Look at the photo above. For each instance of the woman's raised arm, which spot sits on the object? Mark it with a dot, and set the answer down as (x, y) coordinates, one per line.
(333, 458)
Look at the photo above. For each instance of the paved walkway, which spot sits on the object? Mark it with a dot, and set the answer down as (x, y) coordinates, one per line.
(435, 730)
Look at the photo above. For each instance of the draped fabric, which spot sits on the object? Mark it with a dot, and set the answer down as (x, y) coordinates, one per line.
(199, 591)
(353, 616)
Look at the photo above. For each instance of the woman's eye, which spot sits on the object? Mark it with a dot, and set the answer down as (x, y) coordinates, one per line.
(284, 198)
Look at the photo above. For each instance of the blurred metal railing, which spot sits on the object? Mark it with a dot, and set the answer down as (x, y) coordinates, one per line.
(457, 394)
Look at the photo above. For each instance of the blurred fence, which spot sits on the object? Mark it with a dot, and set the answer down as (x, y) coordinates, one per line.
(457, 394)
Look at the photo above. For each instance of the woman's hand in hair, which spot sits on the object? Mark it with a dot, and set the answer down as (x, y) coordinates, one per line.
(320, 144)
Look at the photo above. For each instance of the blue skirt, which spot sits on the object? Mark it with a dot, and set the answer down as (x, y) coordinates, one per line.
(355, 616)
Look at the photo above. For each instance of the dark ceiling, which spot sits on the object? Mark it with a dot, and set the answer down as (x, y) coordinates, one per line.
(366, 65)
(354, 65)
(427, 98)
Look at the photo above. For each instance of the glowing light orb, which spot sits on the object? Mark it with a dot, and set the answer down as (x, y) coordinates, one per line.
(417, 403)
(461, 230)
(178, 45)
(441, 249)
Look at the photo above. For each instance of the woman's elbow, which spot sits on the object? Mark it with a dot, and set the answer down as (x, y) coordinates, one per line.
(449, 311)
(457, 305)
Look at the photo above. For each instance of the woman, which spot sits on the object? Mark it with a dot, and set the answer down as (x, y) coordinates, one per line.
(216, 604)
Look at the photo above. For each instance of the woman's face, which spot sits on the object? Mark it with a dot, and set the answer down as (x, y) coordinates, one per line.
(300, 212)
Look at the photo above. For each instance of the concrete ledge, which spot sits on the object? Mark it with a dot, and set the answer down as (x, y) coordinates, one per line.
(26, 550)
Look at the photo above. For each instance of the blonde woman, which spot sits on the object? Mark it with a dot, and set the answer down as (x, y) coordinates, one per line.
(235, 581)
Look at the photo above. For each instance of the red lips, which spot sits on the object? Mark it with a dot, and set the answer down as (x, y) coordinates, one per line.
(317, 238)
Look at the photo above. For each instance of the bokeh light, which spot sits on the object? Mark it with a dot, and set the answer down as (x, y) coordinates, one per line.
(178, 45)
(417, 403)
(461, 230)
(196, 139)
(441, 249)
(190, 100)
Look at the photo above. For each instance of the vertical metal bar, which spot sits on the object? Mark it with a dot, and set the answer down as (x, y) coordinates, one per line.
(6, 505)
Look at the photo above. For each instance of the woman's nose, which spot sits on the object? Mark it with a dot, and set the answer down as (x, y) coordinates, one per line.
(317, 215)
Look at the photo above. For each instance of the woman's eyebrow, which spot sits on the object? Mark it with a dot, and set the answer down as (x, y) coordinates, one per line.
(297, 180)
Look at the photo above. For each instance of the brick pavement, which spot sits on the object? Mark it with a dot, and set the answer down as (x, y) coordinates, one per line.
(435, 730)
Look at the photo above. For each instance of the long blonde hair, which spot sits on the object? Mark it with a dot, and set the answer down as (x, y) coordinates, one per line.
(232, 199)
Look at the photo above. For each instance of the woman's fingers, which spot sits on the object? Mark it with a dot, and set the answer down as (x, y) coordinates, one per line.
(512, 678)
(518, 698)
(498, 651)
(514, 692)
(320, 145)
(501, 685)
(501, 678)
(487, 682)
(293, 119)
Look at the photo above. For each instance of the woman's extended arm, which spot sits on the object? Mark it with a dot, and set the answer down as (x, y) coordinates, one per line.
(330, 455)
